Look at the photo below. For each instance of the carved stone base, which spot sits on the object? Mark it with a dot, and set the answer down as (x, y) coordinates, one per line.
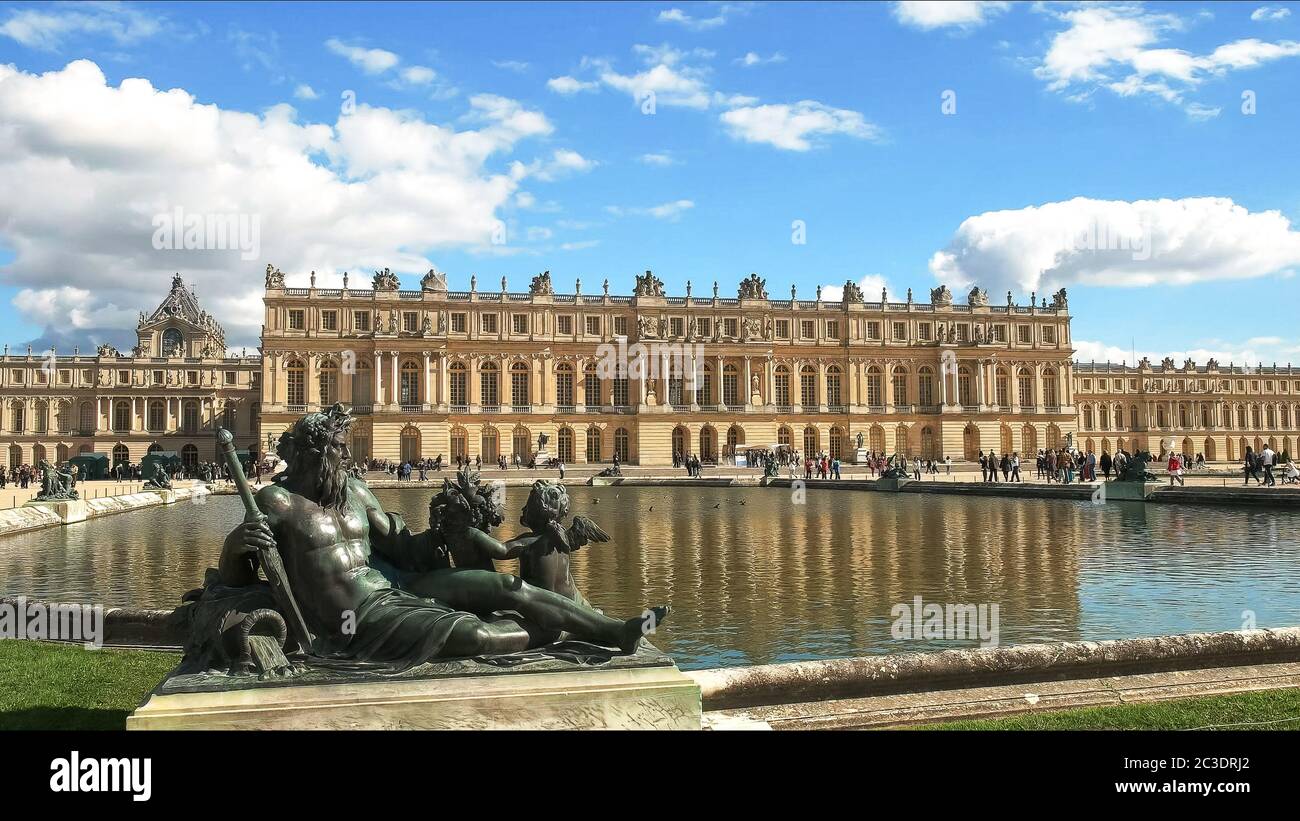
(645, 691)
(1128, 491)
(891, 485)
(68, 511)
(860, 456)
(167, 495)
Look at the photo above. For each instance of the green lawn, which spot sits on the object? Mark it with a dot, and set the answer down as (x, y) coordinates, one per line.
(66, 687)
(1262, 710)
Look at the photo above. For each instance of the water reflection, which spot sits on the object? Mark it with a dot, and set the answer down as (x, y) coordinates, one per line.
(754, 578)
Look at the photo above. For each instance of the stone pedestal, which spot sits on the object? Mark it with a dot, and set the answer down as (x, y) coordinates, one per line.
(890, 484)
(860, 456)
(166, 495)
(641, 692)
(542, 457)
(68, 511)
(1124, 491)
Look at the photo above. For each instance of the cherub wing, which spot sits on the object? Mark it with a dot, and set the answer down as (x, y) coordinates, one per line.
(584, 531)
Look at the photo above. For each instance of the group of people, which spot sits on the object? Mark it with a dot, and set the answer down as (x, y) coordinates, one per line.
(1254, 464)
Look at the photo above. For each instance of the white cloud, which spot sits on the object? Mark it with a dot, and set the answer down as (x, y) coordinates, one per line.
(1116, 243)
(418, 75)
(517, 66)
(725, 11)
(305, 92)
(662, 159)
(957, 13)
(871, 286)
(1115, 47)
(1236, 352)
(1270, 13)
(793, 127)
(752, 58)
(561, 163)
(369, 60)
(580, 245)
(668, 82)
(377, 188)
(49, 27)
(569, 85)
(671, 211)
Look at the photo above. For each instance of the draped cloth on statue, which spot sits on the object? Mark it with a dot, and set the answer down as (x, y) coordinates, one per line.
(396, 631)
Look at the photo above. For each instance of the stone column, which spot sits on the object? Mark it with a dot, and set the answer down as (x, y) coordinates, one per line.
(428, 381)
(394, 389)
(377, 396)
(746, 390)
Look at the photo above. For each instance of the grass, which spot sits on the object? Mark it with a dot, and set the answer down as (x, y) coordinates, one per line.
(67, 687)
(1259, 710)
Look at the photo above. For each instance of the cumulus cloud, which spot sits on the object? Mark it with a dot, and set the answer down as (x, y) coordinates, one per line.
(369, 60)
(48, 28)
(1118, 48)
(794, 127)
(305, 92)
(1270, 13)
(951, 13)
(752, 58)
(569, 85)
(1117, 243)
(377, 188)
(662, 159)
(1255, 351)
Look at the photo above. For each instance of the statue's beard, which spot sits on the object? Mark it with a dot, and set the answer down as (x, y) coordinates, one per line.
(331, 481)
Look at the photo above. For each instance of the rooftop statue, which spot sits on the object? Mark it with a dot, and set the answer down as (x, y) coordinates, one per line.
(977, 298)
(435, 280)
(753, 287)
(385, 280)
(852, 293)
(940, 296)
(274, 277)
(541, 284)
(648, 285)
(357, 590)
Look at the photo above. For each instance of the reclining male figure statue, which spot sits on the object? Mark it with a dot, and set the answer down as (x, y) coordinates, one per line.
(324, 523)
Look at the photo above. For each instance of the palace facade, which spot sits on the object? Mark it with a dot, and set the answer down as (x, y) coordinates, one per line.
(168, 394)
(433, 372)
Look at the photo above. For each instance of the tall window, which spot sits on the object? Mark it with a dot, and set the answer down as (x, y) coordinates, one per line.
(704, 390)
(621, 450)
(564, 386)
(875, 388)
(122, 416)
(329, 382)
(157, 416)
(87, 424)
(519, 379)
(490, 449)
(729, 392)
(925, 386)
(190, 417)
(363, 384)
(782, 385)
(458, 384)
(522, 444)
(458, 444)
(900, 385)
(833, 393)
(1050, 396)
(810, 441)
(593, 444)
(965, 387)
(489, 384)
(591, 386)
(808, 386)
(297, 382)
(619, 389)
(410, 383)
(42, 417)
(564, 444)
(1025, 387)
(1000, 388)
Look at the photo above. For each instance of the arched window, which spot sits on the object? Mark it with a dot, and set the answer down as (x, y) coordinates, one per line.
(519, 379)
(122, 456)
(621, 448)
(489, 448)
(965, 387)
(489, 385)
(834, 395)
(810, 440)
(593, 444)
(784, 436)
(459, 450)
(925, 387)
(1087, 417)
(808, 386)
(173, 343)
(730, 393)
(735, 436)
(679, 442)
(591, 386)
(901, 445)
(329, 382)
(458, 384)
(900, 386)
(63, 417)
(363, 384)
(86, 425)
(41, 417)
(564, 444)
(1001, 389)
(708, 444)
(410, 444)
(564, 387)
(836, 442)
(877, 439)
(875, 389)
(928, 450)
(782, 386)
(1050, 393)
(190, 456)
(1025, 387)
(296, 381)
(521, 444)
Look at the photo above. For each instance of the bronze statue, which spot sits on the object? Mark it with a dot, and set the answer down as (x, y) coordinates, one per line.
(371, 591)
(56, 485)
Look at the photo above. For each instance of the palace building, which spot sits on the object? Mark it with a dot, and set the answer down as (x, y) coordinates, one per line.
(168, 394)
(473, 373)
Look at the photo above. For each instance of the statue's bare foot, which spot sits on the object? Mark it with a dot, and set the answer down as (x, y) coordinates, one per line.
(642, 625)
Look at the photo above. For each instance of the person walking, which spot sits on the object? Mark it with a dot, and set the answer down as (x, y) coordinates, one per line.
(1250, 466)
(1266, 458)
(1175, 468)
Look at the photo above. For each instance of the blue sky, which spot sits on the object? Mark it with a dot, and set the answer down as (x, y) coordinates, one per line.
(913, 145)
